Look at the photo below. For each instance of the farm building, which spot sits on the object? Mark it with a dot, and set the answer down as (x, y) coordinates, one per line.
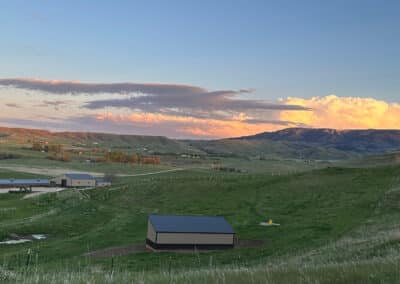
(75, 180)
(189, 232)
(23, 183)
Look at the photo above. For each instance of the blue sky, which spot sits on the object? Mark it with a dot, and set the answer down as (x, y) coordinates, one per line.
(279, 49)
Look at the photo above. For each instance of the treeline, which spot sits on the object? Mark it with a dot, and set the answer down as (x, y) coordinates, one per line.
(6, 156)
(121, 157)
(227, 169)
(56, 151)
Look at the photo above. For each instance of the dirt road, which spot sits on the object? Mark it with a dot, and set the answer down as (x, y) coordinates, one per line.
(45, 171)
(61, 171)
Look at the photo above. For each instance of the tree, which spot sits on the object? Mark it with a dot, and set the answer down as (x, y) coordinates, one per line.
(36, 146)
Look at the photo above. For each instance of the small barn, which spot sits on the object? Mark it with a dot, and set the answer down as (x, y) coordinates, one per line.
(75, 180)
(189, 232)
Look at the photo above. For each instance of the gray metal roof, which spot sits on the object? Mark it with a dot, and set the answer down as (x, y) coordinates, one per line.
(79, 176)
(190, 224)
(25, 182)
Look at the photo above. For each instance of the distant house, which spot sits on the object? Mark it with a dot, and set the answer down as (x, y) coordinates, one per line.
(23, 183)
(189, 232)
(75, 180)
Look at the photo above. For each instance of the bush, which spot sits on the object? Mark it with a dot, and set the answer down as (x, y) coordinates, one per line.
(6, 156)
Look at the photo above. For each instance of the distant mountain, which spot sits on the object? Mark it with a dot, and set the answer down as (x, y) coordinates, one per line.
(291, 143)
(359, 141)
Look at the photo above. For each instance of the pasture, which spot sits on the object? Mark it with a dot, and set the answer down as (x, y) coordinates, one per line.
(335, 222)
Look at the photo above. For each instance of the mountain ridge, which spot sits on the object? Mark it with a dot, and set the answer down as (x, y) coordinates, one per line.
(357, 140)
(304, 143)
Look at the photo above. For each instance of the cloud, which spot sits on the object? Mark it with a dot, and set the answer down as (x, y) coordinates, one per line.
(209, 115)
(211, 101)
(344, 113)
(56, 103)
(13, 105)
(183, 111)
(189, 109)
(189, 127)
(72, 87)
(214, 114)
(153, 95)
(33, 123)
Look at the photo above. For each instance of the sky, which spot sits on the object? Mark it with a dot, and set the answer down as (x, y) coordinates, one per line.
(199, 69)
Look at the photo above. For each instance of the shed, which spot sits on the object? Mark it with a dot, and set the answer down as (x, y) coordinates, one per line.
(75, 180)
(189, 232)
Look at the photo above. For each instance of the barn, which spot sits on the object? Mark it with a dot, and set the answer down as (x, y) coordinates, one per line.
(75, 180)
(189, 232)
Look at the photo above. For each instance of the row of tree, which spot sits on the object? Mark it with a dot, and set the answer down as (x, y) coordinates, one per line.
(56, 151)
(121, 157)
(48, 148)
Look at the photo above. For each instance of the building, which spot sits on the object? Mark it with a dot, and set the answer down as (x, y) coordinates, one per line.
(23, 183)
(189, 232)
(74, 180)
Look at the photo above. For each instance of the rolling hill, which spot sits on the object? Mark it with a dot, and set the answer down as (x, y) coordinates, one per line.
(134, 143)
(305, 143)
(359, 141)
(291, 143)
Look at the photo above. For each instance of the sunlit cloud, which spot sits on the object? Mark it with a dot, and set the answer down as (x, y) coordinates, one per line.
(195, 127)
(344, 113)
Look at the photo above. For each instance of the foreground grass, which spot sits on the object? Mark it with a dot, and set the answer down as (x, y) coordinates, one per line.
(336, 224)
(373, 271)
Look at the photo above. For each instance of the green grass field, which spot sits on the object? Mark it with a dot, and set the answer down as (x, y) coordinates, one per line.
(338, 225)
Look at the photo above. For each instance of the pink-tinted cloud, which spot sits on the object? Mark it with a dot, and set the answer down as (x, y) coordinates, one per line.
(191, 126)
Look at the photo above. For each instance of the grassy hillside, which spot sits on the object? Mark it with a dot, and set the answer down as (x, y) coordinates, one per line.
(335, 222)
(373, 160)
(130, 143)
(293, 143)
(266, 148)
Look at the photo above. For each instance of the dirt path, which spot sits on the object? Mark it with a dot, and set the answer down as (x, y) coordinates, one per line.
(59, 171)
(45, 171)
(31, 219)
(152, 173)
(138, 248)
(118, 251)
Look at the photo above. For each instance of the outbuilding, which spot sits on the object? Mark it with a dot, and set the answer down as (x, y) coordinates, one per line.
(189, 232)
(75, 180)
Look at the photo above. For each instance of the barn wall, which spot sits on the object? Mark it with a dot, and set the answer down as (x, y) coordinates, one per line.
(103, 183)
(57, 180)
(193, 238)
(81, 182)
(151, 234)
